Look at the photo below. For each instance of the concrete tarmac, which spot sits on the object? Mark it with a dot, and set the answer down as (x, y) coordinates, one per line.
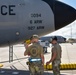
(19, 67)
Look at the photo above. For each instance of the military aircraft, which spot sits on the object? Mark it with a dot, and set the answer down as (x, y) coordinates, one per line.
(60, 39)
(19, 19)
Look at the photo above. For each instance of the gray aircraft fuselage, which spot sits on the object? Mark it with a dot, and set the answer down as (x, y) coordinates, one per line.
(19, 19)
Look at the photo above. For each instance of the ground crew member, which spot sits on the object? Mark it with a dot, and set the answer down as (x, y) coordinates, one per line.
(36, 60)
(56, 56)
(27, 43)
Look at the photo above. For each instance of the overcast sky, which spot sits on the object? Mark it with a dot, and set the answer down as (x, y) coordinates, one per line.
(70, 30)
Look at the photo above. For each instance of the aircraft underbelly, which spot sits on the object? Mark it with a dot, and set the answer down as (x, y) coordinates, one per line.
(22, 18)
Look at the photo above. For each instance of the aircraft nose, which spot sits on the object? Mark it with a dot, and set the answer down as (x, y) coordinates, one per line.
(63, 14)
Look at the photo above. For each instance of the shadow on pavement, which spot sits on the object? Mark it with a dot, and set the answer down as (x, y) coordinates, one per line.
(19, 72)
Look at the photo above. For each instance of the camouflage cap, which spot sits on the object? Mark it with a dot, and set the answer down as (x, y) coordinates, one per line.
(34, 36)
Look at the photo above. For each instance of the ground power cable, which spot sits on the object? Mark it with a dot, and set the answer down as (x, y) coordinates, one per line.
(20, 61)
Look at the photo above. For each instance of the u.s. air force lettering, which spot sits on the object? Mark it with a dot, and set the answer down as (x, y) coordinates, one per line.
(7, 10)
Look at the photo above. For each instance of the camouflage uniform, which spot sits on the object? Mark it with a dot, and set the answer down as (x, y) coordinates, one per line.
(35, 51)
(56, 63)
